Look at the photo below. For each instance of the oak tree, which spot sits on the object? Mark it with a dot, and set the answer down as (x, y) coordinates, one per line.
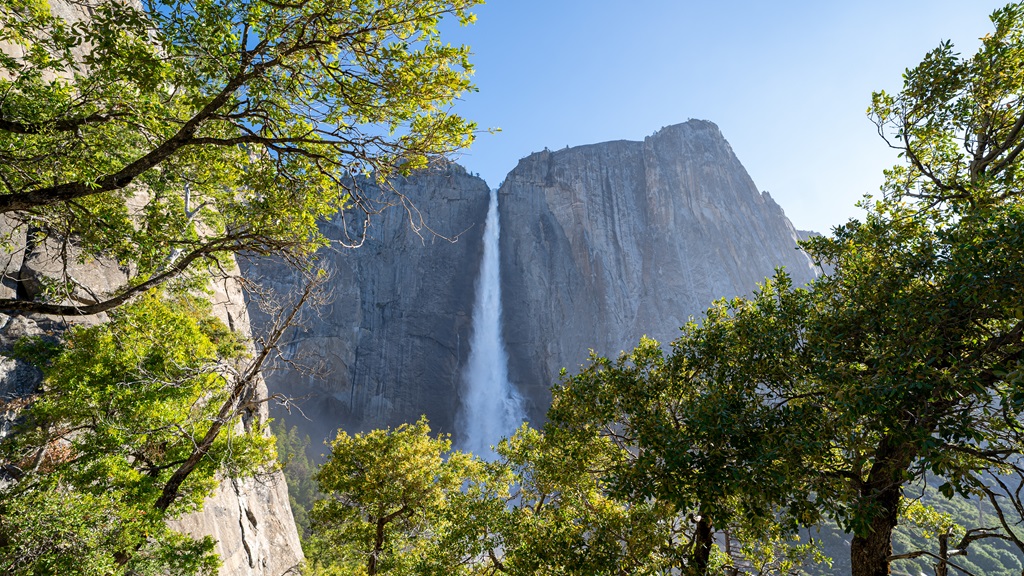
(163, 135)
(130, 430)
(916, 341)
(715, 429)
(402, 502)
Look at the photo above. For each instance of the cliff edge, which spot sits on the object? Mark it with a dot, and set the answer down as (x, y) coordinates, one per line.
(605, 243)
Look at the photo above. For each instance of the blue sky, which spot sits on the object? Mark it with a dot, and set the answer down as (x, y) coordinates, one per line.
(788, 82)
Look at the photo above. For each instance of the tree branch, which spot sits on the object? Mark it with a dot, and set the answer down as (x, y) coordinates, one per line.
(60, 125)
(14, 305)
(72, 190)
(228, 409)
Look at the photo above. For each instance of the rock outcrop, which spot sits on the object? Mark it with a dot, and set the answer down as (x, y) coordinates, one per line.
(600, 245)
(388, 345)
(250, 518)
(605, 243)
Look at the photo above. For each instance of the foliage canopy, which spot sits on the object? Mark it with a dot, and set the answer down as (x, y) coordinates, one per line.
(125, 407)
(163, 135)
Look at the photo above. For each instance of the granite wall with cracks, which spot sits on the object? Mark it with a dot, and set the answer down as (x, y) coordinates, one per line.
(600, 245)
(250, 518)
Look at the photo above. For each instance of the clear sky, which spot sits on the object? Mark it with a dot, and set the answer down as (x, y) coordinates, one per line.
(788, 82)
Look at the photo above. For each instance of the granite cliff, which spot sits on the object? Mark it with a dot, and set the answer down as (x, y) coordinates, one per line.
(387, 346)
(600, 245)
(250, 518)
(605, 243)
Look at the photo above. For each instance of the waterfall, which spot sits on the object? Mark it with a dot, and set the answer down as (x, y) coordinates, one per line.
(491, 407)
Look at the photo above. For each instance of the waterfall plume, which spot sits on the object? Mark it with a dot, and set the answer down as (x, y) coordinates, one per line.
(491, 408)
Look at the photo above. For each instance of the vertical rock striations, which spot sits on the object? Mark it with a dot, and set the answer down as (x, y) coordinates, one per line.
(602, 244)
(390, 342)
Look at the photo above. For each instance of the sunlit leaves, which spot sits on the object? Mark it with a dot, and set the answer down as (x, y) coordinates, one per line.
(957, 120)
(123, 406)
(401, 502)
(263, 115)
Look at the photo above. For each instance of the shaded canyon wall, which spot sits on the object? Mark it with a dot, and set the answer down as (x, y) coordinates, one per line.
(387, 346)
(600, 245)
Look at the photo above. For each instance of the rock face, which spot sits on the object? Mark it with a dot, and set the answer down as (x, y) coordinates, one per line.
(251, 519)
(603, 244)
(600, 245)
(389, 343)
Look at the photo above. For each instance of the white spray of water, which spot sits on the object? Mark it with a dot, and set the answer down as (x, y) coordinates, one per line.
(491, 408)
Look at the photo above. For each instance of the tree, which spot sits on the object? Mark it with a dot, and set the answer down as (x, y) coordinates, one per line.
(563, 518)
(905, 345)
(116, 443)
(915, 342)
(713, 430)
(391, 497)
(165, 135)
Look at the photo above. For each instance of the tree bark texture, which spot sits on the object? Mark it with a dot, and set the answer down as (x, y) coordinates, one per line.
(703, 538)
(880, 499)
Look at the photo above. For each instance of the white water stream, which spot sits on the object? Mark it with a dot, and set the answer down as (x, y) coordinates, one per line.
(491, 407)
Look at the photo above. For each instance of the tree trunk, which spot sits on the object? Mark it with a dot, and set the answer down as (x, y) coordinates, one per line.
(869, 555)
(378, 547)
(702, 541)
(880, 499)
(942, 568)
